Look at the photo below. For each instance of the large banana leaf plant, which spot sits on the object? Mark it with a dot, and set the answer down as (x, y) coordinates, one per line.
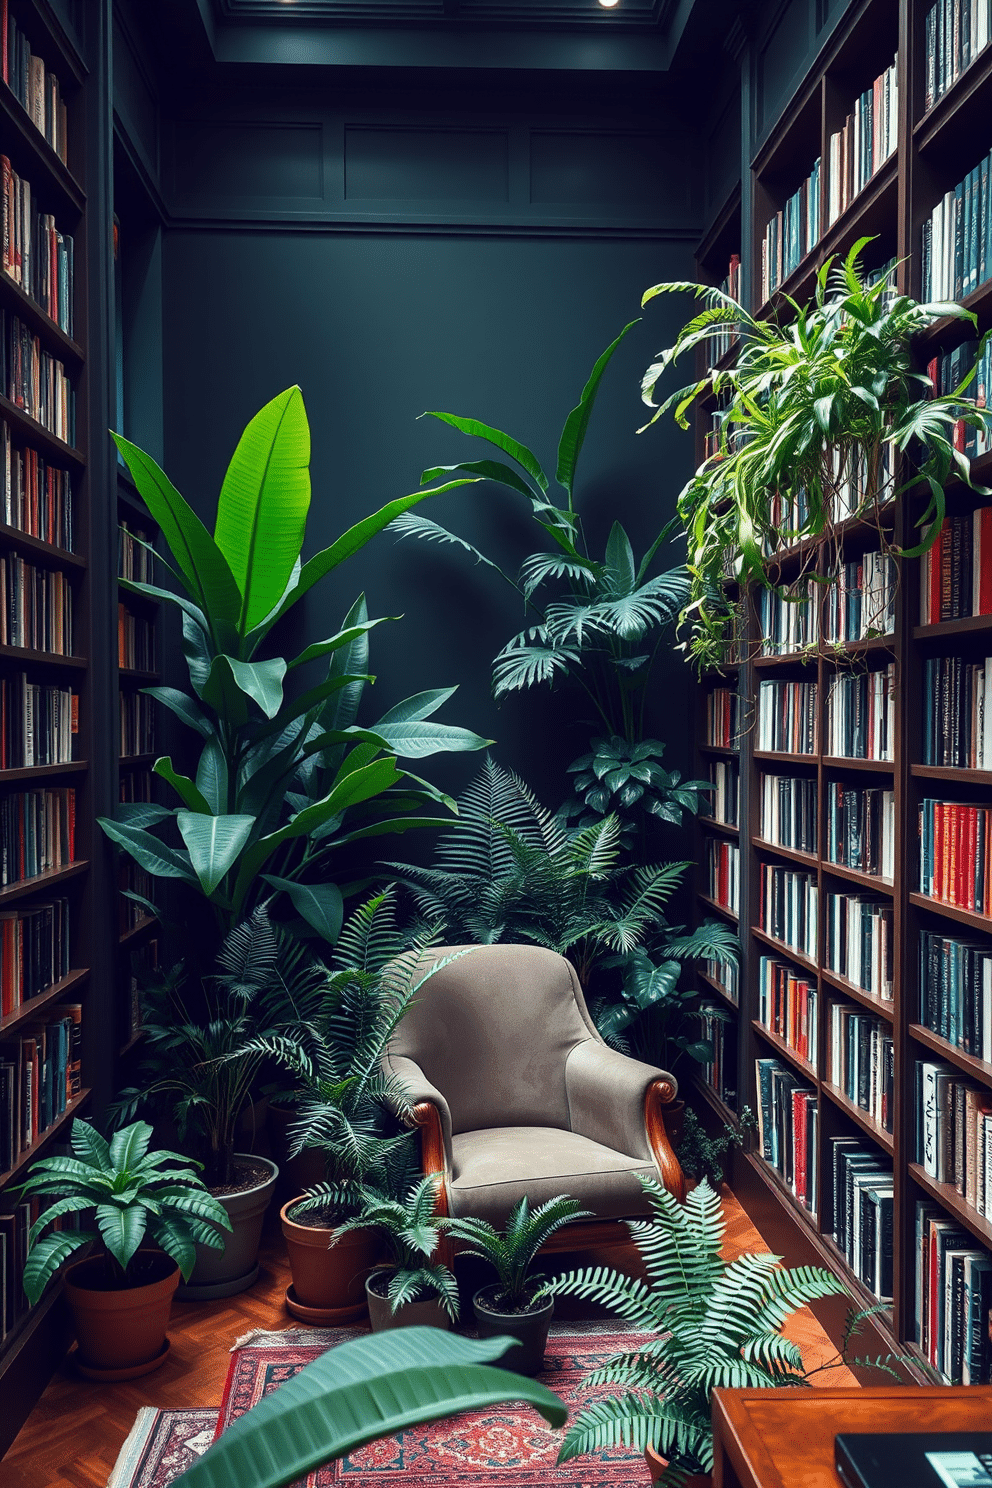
(819, 401)
(357, 1392)
(286, 774)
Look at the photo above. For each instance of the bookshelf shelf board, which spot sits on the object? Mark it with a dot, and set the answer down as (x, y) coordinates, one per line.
(43, 772)
(953, 104)
(777, 1183)
(19, 1335)
(57, 341)
(716, 675)
(793, 854)
(37, 159)
(146, 923)
(781, 757)
(49, 880)
(947, 629)
(137, 676)
(870, 881)
(34, 547)
(860, 1293)
(43, 658)
(949, 773)
(953, 912)
(54, 447)
(806, 657)
(719, 1105)
(786, 1050)
(785, 950)
(949, 330)
(718, 749)
(933, 1041)
(870, 644)
(137, 761)
(29, 1010)
(860, 1118)
(949, 1198)
(29, 1155)
(848, 762)
(717, 988)
(719, 908)
(884, 1008)
(713, 825)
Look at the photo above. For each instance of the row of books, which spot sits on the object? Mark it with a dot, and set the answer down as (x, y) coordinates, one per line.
(789, 907)
(32, 250)
(34, 952)
(860, 827)
(787, 1005)
(37, 833)
(956, 991)
(719, 1072)
(35, 380)
(956, 572)
(788, 811)
(953, 1298)
(787, 1128)
(954, 1131)
(135, 785)
(861, 603)
(725, 798)
(134, 561)
(39, 1075)
(38, 724)
(724, 710)
(947, 373)
(35, 86)
(787, 717)
(137, 724)
(791, 233)
(727, 974)
(868, 137)
(861, 714)
(861, 1212)
(954, 854)
(133, 881)
(135, 641)
(719, 346)
(957, 721)
(858, 942)
(861, 1061)
(954, 32)
(789, 618)
(957, 239)
(35, 607)
(37, 496)
(723, 873)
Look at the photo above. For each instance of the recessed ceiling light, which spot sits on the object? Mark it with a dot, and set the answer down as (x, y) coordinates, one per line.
(609, 4)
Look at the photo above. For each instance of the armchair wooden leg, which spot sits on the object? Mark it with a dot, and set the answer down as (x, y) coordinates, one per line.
(659, 1094)
(427, 1119)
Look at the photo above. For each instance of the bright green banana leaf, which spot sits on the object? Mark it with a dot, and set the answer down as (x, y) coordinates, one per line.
(358, 1392)
(214, 843)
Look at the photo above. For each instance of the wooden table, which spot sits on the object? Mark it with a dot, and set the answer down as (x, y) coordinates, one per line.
(785, 1438)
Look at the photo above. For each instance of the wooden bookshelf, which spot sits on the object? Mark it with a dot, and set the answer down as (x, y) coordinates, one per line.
(934, 150)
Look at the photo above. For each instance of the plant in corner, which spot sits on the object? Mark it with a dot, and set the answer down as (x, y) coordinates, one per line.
(511, 1304)
(815, 409)
(708, 1323)
(416, 1287)
(120, 1296)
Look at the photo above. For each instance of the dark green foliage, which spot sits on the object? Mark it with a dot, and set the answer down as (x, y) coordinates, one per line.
(700, 1155)
(411, 1231)
(512, 1251)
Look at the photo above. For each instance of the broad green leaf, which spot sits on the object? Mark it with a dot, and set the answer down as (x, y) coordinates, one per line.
(420, 705)
(416, 739)
(47, 1256)
(185, 708)
(141, 813)
(321, 905)
(335, 642)
(89, 1146)
(491, 470)
(263, 504)
(122, 1230)
(619, 568)
(224, 693)
(147, 851)
(262, 681)
(574, 433)
(512, 447)
(214, 843)
(211, 776)
(128, 1147)
(181, 784)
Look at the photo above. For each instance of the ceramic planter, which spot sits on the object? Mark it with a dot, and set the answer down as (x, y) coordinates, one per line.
(529, 1328)
(328, 1282)
(428, 1313)
(121, 1334)
(657, 1465)
(223, 1273)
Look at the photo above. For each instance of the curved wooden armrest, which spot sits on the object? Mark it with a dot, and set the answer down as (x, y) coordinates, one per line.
(433, 1159)
(659, 1094)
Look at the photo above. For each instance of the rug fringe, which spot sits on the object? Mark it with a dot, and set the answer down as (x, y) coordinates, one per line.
(137, 1439)
(260, 1338)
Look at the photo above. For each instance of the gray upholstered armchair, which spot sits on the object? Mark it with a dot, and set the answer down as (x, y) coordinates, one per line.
(516, 1093)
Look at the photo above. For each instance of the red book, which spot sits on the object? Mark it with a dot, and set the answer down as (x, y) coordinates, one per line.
(966, 857)
(799, 1099)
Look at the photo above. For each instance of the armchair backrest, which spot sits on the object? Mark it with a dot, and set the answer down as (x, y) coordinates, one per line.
(493, 1031)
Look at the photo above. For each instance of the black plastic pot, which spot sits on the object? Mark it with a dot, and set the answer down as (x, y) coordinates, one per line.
(529, 1328)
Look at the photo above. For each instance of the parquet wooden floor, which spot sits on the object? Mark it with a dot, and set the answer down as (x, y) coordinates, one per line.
(73, 1436)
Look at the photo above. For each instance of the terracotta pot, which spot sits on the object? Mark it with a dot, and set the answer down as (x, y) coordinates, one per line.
(529, 1328)
(224, 1273)
(428, 1313)
(657, 1464)
(122, 1332)
(328, 1280)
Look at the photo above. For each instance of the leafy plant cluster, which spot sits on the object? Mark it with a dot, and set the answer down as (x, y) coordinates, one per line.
(411, 1230)
(513, 1251)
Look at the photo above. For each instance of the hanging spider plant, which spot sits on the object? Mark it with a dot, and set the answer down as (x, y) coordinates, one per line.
(812, 409)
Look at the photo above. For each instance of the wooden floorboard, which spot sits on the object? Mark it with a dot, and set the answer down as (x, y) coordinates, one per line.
(73, 1436)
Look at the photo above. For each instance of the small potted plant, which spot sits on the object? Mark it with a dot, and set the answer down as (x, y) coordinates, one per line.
(120, 1297)
(510, 1304)
(415, 1288)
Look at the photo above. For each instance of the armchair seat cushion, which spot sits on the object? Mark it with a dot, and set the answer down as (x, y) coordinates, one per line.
(492, 1169)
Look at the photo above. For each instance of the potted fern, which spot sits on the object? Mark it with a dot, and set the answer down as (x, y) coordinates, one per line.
(707, 1324)
(511, 1303)
(415, 1287)
(121, 1295)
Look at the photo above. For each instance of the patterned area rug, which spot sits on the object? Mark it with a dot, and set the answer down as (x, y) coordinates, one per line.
(162, 1444)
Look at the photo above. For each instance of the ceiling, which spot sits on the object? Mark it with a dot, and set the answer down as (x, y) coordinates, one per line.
(641, 15)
